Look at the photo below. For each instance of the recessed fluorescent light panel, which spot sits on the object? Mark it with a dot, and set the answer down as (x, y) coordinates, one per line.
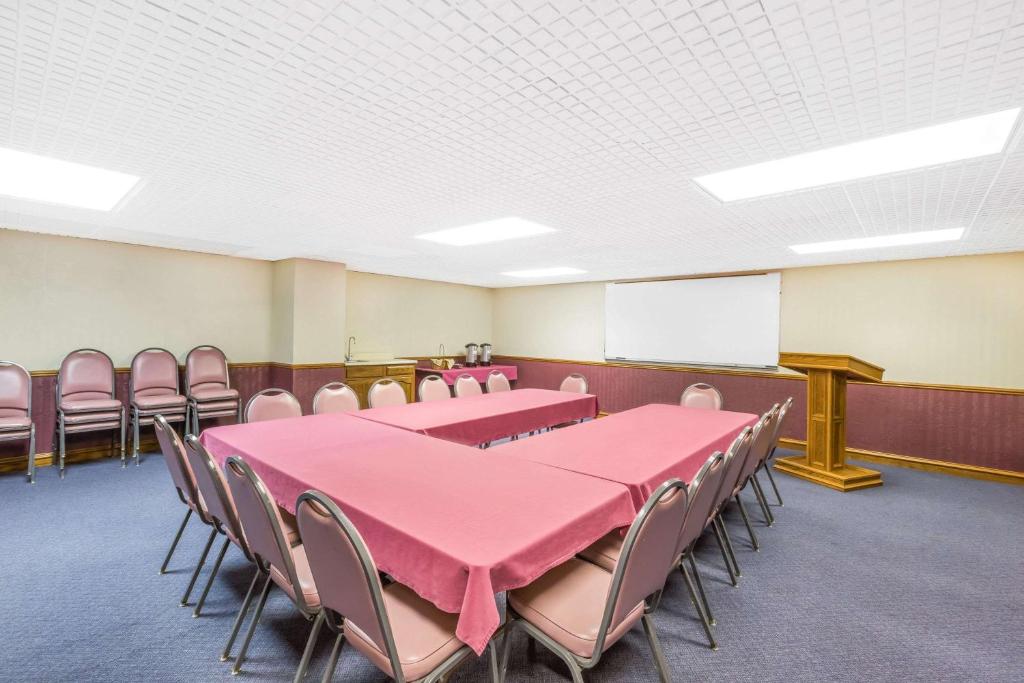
(901, 240)
(42, 179)
(544, 272)
(498, 230)
(941, 144)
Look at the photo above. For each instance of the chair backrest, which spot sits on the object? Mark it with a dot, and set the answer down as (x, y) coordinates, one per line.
(701, 494)
(272, 404)
(206, 367)
(261, 522)
(15, 390)
(433, 388)
(735, 457)
(777, 429)
(701, 396)
(335, 397)
(177, 464)
(647, 555)
(344, 572)
(497, 381)
(466, 385)
(212, 486)
(85, 374)
(386, 392)
(154, 372)
(760, 443)
(575, 383)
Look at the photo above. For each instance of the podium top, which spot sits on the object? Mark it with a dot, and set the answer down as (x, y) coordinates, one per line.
(853, 367)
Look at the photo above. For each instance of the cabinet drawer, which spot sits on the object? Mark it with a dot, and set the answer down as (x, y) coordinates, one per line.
(403, 370)
(364, 371)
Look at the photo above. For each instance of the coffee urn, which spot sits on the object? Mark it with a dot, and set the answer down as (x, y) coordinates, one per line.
(485, 354)
(472, 355)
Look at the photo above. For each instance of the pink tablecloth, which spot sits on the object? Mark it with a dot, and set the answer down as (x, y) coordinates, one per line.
(478, 373)
(454, 524)
(640, 448)
(473, 420)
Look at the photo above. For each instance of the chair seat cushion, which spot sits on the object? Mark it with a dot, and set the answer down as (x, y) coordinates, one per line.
(217, 408)
(15, 424)
(567, 603)
(91, 426)
(165, 401)
(86, 418)
(605, 551)
(206, 395)
(424, 635)
(305, 576)
(89, 405)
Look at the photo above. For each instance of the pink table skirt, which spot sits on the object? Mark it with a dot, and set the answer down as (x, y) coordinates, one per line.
(480, 373)
(450, 522)
(473, 420)
(640, 448)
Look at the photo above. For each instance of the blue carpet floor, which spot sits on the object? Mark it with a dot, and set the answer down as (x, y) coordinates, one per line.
(920, 580)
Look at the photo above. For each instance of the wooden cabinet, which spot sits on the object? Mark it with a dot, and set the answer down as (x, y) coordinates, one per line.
(361, 377)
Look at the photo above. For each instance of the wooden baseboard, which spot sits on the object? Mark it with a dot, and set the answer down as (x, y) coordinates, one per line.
(923, 464)
(74, 455)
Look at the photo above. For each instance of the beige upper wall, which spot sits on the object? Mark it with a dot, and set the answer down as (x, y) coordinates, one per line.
(552, 321)
(308, 321)
(409, 317)
(58, 294)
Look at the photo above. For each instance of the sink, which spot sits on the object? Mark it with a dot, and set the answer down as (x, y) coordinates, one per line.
(382, 361)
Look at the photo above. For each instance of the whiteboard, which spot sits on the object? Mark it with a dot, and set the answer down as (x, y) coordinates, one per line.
(712, 321)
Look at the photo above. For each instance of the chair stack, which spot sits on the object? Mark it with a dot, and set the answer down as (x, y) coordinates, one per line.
(208, 387)
(16, 411)
(153, 390)
(86, 400)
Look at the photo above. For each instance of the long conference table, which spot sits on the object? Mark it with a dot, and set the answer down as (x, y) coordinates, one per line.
(458, 525)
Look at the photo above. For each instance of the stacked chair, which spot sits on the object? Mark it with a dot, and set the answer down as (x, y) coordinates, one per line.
(16, 410)
(208, 387)
(153, 390)
(86, 400)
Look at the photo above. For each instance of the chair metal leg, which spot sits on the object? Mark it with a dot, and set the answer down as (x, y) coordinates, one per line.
(123, 425)
(174, 544)
(725, 555)
(492, 655)
(769, 519)
(728, 546)
(746, 520)
(700, 588)
(61, 439)
(135, 436)
(32, 454)
(332, 663)
(659, 656)
(252, 626)
(771, 478)
(307, 654)
(209, 582)
(199, 568)
(697, 606)
(241, 616)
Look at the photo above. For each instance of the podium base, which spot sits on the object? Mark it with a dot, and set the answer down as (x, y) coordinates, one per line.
(846, 478)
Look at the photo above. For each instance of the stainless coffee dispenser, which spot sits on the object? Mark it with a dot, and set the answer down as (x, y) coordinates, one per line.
(485, 354)
(472, 355)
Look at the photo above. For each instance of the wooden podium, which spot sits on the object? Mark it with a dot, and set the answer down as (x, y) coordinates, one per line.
(825, 461)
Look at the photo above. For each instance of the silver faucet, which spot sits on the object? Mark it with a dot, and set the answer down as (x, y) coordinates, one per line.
(440, 351)
(348, 350)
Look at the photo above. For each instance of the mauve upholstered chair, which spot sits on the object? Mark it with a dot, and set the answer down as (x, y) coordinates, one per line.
(335, 397)
(740, 472)
(701, 395)
(153, 390)
(208, 387)
(16, 410)
(433, 388)
(466, 385)
(282, 563)
(575, 383)
(185, 486)
(578, 610)
(86, 400)
(766, 464)
(272, 404)
(402, 634)
(386, 392)
(497, 381)
(701, 494)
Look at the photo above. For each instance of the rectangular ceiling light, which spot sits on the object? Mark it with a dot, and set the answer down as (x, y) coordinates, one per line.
(498, 230)
(545, 272)
(944, 143)
(42, 179)
(900, 240)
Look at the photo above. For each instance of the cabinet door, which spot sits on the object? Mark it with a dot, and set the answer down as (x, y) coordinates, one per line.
(361, 386)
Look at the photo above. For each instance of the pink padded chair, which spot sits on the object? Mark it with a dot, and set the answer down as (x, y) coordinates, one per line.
(402, 634)
(497, 381)
(433, 388)
(208, 387)
(16, 410)
(153, 390)
(386, 392)
(732, 463)
(731, 487)
(575, 383)
(185, 486)
(86, 401)
(766, 464)
(272, 404)
(466, 385)
(578, 610)
(281, 563)
(335, 397)
(701, 396)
